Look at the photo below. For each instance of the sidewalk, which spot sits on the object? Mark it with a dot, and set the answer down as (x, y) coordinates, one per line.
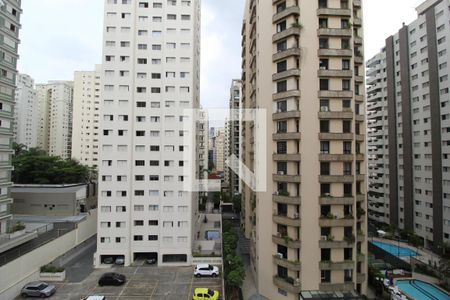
(249, 290)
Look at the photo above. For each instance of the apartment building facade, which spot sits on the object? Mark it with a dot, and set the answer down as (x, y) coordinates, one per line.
(10, 11)
(219, 149)
(147, 156)
(26, 112)
(235, 134)
(409, 127)
(55, 117)
(308, 229)
(86, 115)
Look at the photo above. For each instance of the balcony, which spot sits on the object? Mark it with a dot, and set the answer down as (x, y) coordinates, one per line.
(282, 54)
(360, 197)
(285, 220)
(358, 40)
(336, 136)
(335, 73)
(287, 157)
(339, 12)
(339, 32)
(336, 157)
(329, 200)
(335, 94)
(286, 199)
(286, 178)
(286, 136)
(357, 3)
(292, 31)
(335, 52)
(357, 21)
(286, 115)
(336, 178)
(359, 59)
(293, 10)
(336, 266)
(343, 222)
(286, 241)
(285, 284)
(360, 278)
(291, 265)
(286, 94)
(332, 287)
(286, 74)
(336, 115)
(331, 244)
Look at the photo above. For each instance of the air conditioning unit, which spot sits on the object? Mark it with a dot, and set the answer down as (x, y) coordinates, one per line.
(296, 216)
(279, 110)
(324, 108)
(280, 172)
(323, 237)
(280, 255)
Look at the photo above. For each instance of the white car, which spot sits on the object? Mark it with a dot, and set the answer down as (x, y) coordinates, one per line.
(94, 297)
(206, 270)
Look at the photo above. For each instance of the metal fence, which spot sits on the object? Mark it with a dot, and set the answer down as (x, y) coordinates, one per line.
(44, 236)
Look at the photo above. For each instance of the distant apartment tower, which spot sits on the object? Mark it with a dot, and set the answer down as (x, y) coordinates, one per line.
(219, 149)
(408, 104)
(203, 143)
(55, 117)
(86, 116)
(235, 133)
(150, 79)
(26, 112)
(9, 40)
(303, 63)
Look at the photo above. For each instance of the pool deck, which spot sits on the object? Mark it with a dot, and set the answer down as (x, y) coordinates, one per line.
(424, 255)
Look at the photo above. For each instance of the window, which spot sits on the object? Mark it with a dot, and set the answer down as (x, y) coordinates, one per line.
(324, 126)
(324, 84)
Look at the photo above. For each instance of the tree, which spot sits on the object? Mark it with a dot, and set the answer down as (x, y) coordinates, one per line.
(237, 204)
(34, 166)
(18, 148)
(415, 240)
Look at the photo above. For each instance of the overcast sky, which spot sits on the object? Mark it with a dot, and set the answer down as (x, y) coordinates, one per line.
(61, 36)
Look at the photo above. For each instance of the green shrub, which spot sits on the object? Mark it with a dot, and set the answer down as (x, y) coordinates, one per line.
(51, 269)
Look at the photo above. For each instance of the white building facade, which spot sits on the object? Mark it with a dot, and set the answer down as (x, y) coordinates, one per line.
(55, 117)
(86, 115)
(409, 128)
(9, 41)
(147, 143)
(26, 112)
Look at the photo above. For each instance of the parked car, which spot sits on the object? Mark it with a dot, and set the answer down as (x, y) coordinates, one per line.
(206, 270)
(120, 260)
(111, 279)
(108, 260)
(150, 261)
(94, 297)
(38, 289)
(205, 293)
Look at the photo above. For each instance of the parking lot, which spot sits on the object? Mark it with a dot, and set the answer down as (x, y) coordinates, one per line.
(143, 282)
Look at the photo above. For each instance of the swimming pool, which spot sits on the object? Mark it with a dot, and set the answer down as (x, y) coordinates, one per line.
(394, 249)
(422, 290)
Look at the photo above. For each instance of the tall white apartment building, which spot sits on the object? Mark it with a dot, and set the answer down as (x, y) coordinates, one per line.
(147, 155)
(86, 115)
(408, 104)
(55, 117)
(26, 112)
(203, 143)
(9, 41)
(235, 133)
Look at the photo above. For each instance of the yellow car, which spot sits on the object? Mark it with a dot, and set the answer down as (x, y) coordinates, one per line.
(204, 293)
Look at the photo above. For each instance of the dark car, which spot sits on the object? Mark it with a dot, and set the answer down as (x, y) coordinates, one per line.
(111, 279)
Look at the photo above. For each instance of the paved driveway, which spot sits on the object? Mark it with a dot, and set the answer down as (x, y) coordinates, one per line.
(143, 282)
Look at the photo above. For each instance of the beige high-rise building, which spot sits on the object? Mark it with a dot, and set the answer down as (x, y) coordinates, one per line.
(86, 115)
(303, 64)
(55, 117)
(219, 149)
